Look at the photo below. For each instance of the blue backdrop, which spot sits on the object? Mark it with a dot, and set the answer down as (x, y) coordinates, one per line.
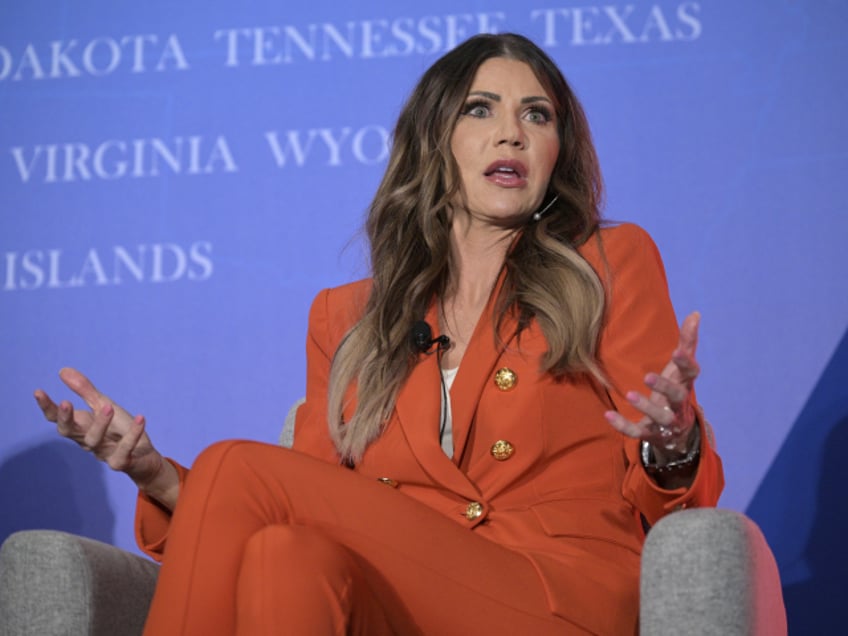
(178, 180)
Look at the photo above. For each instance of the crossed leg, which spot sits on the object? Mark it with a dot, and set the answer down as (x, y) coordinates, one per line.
(269, 541)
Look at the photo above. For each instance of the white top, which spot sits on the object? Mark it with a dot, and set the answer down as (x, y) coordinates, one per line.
(448, 376)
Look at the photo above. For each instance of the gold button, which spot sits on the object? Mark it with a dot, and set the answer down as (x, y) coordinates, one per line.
(388, 481)
(473, 510)
(502, 450)
(505, 379)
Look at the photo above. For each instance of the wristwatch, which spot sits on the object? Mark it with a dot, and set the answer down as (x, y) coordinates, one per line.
(688, 460)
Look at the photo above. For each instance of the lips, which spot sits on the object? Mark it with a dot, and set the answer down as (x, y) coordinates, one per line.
(506, 172)
(507, 166)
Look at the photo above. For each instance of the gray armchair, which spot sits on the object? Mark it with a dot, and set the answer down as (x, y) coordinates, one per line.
(704, 571)
(709, 571)
(54, 583)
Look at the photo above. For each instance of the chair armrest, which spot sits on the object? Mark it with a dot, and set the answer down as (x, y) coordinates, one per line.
(54, 583)
(709, 571)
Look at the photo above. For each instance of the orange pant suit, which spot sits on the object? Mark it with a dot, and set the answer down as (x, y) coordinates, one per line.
(533, 526)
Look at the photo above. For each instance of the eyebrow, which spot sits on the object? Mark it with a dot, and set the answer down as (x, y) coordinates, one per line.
(524, 100)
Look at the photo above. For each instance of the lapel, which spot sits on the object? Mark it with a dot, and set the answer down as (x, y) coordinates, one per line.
(477, 368)
(419, 400)
(418, 409)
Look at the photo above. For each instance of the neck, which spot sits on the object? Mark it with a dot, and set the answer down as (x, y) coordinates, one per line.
(477, 256)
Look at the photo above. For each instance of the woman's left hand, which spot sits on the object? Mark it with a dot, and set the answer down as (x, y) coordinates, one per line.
(669, 414)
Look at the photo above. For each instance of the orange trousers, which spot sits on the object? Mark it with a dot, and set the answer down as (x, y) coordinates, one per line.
(268, 541)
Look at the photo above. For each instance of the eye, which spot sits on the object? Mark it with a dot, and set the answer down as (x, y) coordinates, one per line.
(538, 115)
(477, 108)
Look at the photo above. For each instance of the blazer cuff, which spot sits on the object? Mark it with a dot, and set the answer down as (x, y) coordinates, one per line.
(654, 502)
(152, 520)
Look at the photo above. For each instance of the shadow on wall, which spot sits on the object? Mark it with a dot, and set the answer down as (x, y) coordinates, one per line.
(802, 506)
(54, 485)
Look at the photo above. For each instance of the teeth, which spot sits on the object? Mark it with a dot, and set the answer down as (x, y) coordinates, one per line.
(504, 169)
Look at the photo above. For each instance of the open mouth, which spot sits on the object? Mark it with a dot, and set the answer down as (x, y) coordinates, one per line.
(507, 174)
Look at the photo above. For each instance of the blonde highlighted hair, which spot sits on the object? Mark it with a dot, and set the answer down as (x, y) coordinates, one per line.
(408, 228)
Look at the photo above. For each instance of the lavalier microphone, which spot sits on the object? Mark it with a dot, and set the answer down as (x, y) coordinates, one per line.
(423, 340)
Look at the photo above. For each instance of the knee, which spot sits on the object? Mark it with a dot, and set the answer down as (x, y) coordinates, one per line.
(221, 451)
(227, 456)
(224, 470)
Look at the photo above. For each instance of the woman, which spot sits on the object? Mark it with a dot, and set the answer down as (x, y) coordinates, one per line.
(490, 471)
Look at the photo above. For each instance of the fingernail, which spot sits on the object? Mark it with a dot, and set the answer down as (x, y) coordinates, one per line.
(632, 396)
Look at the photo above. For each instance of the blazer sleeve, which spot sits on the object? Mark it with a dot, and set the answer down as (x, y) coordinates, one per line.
(639, 336)
(152, 521)
(311, 433)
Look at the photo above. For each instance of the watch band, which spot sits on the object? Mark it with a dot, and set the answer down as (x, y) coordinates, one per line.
(691, 457)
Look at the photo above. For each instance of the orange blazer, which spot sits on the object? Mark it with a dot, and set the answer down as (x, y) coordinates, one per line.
(570, 493)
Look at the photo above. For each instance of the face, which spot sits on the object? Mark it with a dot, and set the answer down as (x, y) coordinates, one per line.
(505, 142)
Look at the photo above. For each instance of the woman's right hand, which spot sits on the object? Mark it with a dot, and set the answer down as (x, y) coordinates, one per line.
(112, 435)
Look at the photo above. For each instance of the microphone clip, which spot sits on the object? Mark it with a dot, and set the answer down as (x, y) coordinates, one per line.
(423, 340)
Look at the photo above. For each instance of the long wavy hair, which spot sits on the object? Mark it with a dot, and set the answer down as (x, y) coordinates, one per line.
(408, 227)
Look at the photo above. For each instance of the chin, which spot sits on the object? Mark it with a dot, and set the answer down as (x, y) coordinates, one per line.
(511, 212)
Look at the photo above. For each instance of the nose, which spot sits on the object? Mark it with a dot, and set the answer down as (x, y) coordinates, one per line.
(511, 133)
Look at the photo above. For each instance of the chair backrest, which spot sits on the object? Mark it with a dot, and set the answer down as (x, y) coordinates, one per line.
(287, 434)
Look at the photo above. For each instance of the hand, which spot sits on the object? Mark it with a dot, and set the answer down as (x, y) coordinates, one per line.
(669, 415)
(107, 431)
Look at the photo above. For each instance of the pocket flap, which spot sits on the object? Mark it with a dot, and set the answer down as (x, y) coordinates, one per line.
(602, 519)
